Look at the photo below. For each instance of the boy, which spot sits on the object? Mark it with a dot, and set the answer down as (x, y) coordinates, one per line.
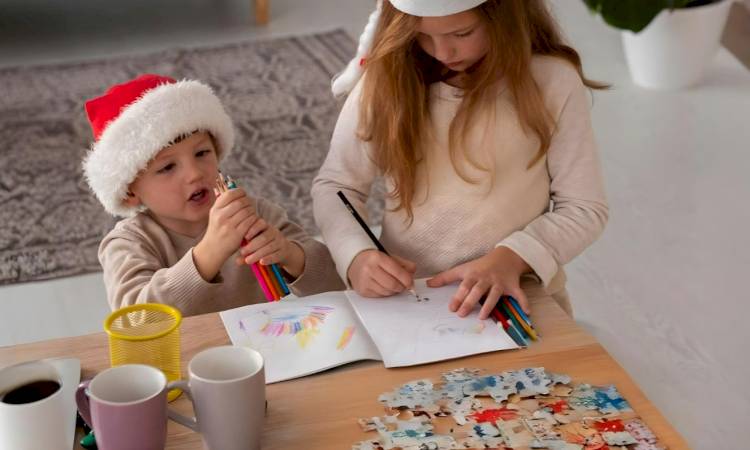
(158, 143)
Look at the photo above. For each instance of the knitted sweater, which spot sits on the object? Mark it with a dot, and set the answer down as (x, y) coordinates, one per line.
(547, 214)
(144, 262)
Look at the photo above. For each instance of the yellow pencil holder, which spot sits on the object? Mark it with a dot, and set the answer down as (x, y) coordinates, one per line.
(146, 334)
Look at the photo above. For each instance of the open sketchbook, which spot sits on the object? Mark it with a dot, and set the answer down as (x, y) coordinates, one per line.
(298, 337)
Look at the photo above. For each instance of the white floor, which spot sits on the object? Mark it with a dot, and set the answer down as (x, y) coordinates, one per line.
(663, 290)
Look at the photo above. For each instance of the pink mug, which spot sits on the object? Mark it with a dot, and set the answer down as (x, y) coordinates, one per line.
(126, 406)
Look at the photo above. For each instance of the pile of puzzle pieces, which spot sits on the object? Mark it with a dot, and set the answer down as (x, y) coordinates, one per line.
(523, 409)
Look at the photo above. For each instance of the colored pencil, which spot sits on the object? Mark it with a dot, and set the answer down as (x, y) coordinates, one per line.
(259, 276)
(274, 274)
(526, 328)
(520, 310)
(513, 320)
(513, 331)
(255, 267)
(516, 336)
(499, 317)
(269, 283)
(505, 326)
(280, 277)
(496, 316)
(274, 281)
(367, 230)
(224, 186)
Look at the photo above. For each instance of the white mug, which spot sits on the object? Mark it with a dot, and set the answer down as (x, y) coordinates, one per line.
(227, 386)
(33, 418)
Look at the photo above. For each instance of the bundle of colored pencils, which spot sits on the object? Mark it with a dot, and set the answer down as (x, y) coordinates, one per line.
(508, 314)
(269, 277)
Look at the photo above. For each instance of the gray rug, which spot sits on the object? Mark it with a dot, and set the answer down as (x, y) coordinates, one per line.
(277, 93)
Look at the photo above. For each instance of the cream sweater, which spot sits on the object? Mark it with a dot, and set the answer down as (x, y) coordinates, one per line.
(547, 214)
(144, 262)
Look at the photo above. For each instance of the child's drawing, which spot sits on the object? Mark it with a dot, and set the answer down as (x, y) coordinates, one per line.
(446, 329)
(434, 332)
(299, 336)
(302, 322)
(346, 336)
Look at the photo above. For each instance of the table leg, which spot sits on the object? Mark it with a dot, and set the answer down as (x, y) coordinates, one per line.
(262, 11)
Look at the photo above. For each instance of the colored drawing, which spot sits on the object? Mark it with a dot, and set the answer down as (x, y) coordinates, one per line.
(306, 335)
(346, 336)
(448, 329)
(303, 323)
(294, 321)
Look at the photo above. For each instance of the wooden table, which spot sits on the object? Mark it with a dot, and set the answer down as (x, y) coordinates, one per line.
(320, 411)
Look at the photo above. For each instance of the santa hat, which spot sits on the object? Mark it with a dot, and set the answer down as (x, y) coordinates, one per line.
(345, 81)
(134, 120)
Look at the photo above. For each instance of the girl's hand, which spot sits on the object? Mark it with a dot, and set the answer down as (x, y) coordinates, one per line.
(267, 245)
(375, 274)
(229, 218)
(495, 274)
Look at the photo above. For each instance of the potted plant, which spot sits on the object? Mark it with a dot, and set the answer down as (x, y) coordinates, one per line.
(668, 43)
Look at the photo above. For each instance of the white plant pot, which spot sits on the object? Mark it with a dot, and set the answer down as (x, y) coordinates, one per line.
(674, 50)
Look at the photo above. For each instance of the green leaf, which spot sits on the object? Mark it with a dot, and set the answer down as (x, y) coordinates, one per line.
(633, 15)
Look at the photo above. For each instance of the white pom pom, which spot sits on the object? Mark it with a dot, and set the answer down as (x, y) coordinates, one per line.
(345, 81)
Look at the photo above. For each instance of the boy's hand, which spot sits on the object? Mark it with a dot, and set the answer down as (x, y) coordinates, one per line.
(375, 274)
(230, 217)
(267, 245)
(496, 274)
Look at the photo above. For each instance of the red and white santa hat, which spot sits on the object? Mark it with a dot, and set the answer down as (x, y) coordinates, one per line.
(345, 81)
(134, 120)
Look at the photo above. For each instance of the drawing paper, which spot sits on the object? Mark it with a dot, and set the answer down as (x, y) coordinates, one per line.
(301, 336)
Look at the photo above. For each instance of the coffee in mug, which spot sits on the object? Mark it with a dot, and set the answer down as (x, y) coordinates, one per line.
(30, 392)
(37, 405)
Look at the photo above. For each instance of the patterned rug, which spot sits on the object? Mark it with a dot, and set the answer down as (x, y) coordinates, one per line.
(277, 93)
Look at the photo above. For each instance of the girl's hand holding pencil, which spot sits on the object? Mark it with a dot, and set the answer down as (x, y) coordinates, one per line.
(373, 273)
(495, 274)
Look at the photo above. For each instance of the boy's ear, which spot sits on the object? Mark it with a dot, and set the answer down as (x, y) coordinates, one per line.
(132, 200)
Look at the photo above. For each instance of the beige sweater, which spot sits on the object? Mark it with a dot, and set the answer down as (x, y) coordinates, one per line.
(144, 262)
(547, 214)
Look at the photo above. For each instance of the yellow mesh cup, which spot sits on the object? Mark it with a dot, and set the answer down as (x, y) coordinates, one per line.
(146, 334)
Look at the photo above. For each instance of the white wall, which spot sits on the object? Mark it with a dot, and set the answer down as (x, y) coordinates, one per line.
(48, 309)
(664, 289)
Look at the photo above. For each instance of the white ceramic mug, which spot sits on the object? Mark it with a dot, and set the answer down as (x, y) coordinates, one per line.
(227, 386)
(49, 421)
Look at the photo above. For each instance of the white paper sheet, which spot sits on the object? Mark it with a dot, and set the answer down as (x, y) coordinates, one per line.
(299, 337)
(410, 332)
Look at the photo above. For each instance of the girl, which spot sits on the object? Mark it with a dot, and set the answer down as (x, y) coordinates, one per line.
(476, 114)
(155, 161)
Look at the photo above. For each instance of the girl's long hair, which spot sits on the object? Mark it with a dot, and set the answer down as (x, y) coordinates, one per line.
(394, 103)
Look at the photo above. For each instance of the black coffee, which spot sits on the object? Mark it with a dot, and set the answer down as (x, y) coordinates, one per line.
(30, 392)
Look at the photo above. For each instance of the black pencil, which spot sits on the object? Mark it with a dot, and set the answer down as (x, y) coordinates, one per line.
(364, 226)
(361, 222)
